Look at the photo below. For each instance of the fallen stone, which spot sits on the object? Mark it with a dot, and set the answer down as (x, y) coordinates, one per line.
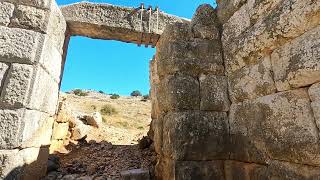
(135, 174)
(60, 130)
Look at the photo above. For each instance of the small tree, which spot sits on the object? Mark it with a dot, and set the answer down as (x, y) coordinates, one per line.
(114, 96)
(145, 98)
(101, 92)
(136, 93)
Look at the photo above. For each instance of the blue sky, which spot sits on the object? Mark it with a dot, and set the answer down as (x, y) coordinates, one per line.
(116, 67)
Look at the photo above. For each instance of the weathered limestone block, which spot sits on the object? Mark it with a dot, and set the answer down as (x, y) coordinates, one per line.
(6, 12)
(27, 17)
(273, 170)
(190, 57)
(204, 170)
(297, 63)
(30, 163)
(18, 45)
(40, 128)
(252, 81)
(226, 8)
(60, 130)
(45, 92)
(56, 28)
(195, 135)
(235, 170)
(105, 21)
(247, 16)
(205, 23)
(214, 93)
(44, 4)
(279, 126)
(178, 93)
(17, 86)
(3, 72)
(288, 20)
(18, 127)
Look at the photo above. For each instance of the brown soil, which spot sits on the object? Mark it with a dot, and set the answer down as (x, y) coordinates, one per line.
(104, 160)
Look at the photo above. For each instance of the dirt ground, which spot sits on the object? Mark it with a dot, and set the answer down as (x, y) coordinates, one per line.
(111, 148)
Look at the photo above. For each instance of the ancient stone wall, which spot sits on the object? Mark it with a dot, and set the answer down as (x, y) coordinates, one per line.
(31, 45)
(258, 119)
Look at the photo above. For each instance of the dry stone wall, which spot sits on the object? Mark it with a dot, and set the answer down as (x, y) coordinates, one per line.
(31, 46)
(236, 92)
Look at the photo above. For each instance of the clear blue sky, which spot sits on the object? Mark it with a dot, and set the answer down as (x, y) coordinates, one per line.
(116, 67)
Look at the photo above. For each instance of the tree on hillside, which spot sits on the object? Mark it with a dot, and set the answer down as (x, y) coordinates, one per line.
(136, 93)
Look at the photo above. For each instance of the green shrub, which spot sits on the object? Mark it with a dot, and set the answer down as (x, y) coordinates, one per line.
(123, 124)
(101, 92)
(79, 92)
(114, 96)
(108, 110)
(136, 93)
(140, 128)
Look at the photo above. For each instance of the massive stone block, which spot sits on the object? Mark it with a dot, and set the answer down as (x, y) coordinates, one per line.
(16, 89)
(178, 93)
(204, 170)
(6, 12)
(314, 93)
(44, 93)
(190, 57)
(195, 135)
(18, 45)
(23, 164)
(287, 21)
(18, 126)
(252, 81)
(297, 63)
(214, 93)
(205, 23)
(279, 126)
(272, 170)
(105, 21)
(31, 18)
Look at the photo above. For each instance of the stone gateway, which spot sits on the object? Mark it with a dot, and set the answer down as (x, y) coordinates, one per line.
(235, 91)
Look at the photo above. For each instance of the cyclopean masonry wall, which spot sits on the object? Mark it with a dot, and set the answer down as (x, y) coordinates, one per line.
(235, 92)
(271, 54)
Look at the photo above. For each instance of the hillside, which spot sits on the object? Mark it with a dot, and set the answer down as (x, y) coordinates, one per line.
(125, 126)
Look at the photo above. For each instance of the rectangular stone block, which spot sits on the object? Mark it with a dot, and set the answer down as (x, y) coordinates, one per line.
(252, 81)
(51, 59)
(314, 92)
(214, 93)
(271, 32)
(44, 92)
(31, 18)
(18, 126)
(296, 64)
(3, 73)
(16, 88)
(30, 163)
(279, 126)
(196, 135)
(18, 45)
(6, 12)
(190, 57)
(178, 93)
(273, 170)
(204, 170)
(235, 170)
